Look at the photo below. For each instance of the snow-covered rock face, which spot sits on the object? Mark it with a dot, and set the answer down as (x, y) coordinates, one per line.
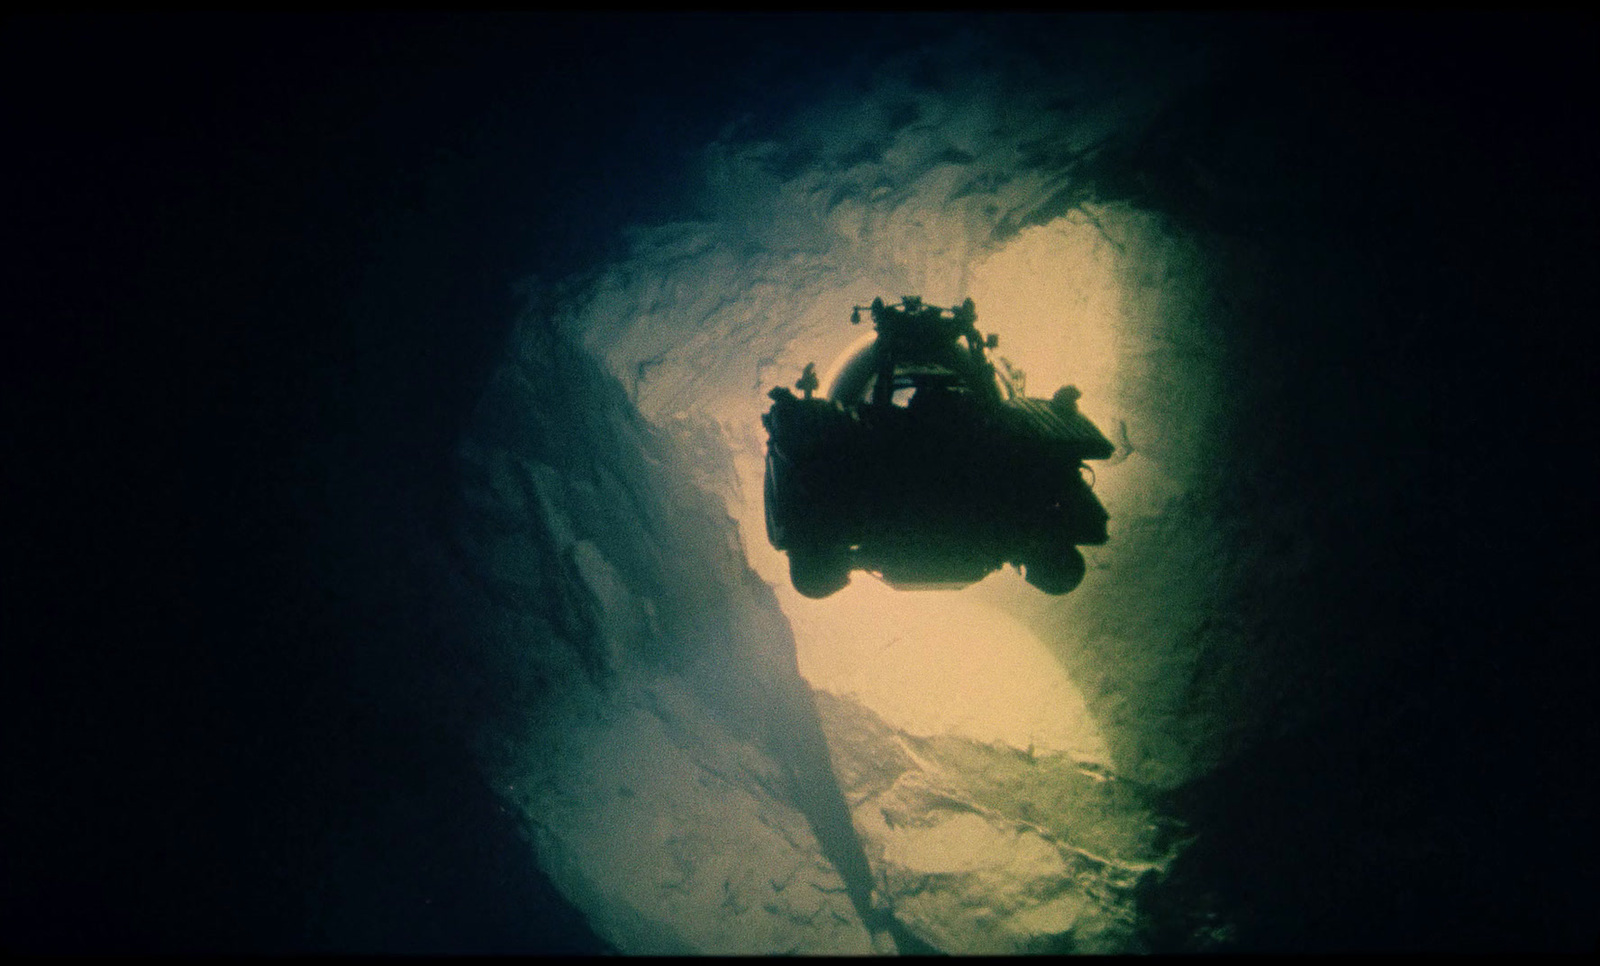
(633, 687)
(981, 847)
(712, 763)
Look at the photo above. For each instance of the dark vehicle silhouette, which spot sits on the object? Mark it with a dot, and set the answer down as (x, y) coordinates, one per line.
(929, 467)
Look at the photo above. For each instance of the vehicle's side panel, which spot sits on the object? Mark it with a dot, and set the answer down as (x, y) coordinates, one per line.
(1039, 419)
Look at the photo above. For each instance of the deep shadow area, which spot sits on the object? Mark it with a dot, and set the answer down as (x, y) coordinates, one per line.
(256, 269)
(1420, 194)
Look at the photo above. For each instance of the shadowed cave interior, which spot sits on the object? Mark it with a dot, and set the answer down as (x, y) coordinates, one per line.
(391, 551)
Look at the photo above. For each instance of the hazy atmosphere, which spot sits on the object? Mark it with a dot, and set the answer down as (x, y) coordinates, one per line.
(387, 530)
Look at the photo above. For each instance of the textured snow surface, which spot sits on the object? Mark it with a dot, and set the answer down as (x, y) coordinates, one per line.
(677, 839)
(982, 848)
(934, 664)
(643, 703)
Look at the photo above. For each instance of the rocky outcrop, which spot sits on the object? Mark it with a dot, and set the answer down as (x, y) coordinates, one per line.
(632, 686)
(988, 849)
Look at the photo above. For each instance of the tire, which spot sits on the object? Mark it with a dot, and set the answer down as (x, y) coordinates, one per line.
(818, 572)
(775, 523)
(1058, 572)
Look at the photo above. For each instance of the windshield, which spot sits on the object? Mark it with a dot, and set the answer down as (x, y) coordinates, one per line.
(925, 379)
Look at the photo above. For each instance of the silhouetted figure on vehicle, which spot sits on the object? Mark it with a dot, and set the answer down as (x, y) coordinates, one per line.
(808, 380)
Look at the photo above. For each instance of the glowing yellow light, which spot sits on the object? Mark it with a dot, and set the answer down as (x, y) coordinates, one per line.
(953, 662)
(1054, 297)
(941, 662)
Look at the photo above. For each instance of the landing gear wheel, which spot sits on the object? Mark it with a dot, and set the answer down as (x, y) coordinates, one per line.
(1057, 572)
(775, 522)
(818, 572)
(782, 503)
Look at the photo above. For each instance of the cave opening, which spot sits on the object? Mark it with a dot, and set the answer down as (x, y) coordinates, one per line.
(1231, 280)
(979, 767)
(316, 654)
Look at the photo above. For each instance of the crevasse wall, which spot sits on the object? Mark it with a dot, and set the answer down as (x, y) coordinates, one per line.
(967, 189)
(631, 686)
(994, 750)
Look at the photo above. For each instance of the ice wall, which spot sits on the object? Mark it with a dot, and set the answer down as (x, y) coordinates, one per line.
(996, 752)
(632, 686)
(957, 186)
